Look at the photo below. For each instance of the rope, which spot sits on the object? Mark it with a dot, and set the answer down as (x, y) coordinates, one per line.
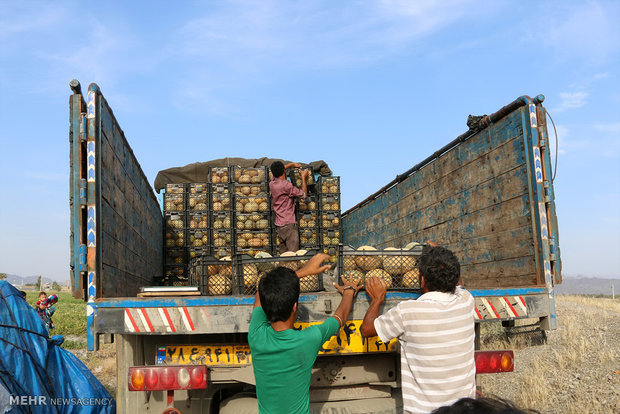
(555, 166)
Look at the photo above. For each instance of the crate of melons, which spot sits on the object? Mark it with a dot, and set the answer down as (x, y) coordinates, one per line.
(253, 190)
(243, 175)
(197, 201)
(253, 239)
(212, 275)
(222, 220)
(174, 220)
(198, 238)
(175, 275)
(330, 220)
(294, 175)
(329, 185)
(248, 270)
(175, 188)
(198, 188)
(221, 197)
(197, 220)
(310, 203)
(397, 267)
(174, 202)
(250, 204)
(329, 202)
(220, 175)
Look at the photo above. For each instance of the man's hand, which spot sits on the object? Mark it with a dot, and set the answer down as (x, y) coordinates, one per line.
(376, 289)
(314, 266)
(305, 174)
(431, 243)
(350, 282)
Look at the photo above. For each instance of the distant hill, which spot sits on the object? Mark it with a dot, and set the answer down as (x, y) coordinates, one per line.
(587, 286)
(17, 280)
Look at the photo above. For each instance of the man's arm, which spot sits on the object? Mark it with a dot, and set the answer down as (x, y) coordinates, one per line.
(304, 184)
(348, 291)
(291, 165)
(376, 289)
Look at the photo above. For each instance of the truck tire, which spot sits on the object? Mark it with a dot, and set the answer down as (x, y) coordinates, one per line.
(239, 404)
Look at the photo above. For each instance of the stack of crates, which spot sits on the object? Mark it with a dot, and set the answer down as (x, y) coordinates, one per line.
(330, 227)
(175, 225)
(397, 267)
(253, 222)
(197, 216)
(222, 217)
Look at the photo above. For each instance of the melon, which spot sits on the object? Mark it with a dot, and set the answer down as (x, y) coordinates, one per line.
(219, 285)
(291, 264)
(381, 274)
(250, 274)
(411, 245)
(368, 262)
(354, 275)
(226, 269)
(309, 283)
(397, 265)
(411, 279)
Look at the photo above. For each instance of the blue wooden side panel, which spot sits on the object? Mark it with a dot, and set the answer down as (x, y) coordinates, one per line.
(475, 199)
(129, 233)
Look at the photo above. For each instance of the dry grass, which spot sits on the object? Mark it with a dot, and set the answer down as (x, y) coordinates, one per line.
(578, 371)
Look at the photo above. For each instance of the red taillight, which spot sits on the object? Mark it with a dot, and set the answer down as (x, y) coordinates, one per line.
(159, 378)
(488, 362)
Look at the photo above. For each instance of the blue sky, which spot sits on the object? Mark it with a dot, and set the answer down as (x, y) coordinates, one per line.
(376, 83)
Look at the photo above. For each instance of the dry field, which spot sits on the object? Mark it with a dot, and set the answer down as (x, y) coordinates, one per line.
(577, 371)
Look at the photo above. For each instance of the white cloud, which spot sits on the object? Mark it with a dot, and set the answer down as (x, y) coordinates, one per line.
(613, 128)
(571, 100)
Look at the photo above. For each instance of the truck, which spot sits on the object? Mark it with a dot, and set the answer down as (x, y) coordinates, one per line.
(487, 196)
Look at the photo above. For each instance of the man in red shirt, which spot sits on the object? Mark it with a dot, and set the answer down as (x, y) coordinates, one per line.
(283, 193)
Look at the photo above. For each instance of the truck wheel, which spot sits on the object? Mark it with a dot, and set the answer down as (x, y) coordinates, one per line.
(239, 404)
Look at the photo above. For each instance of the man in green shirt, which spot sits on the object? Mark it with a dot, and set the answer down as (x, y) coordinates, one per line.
(282, 356)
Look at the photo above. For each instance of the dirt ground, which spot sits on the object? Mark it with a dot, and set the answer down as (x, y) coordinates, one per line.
(576, 371)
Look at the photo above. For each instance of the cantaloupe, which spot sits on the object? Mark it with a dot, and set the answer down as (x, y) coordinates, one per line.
(381, 274)
(290, 264)
(411, 245)
(309, 283)
(354, 275)
(411, 279)
(219, 285)
(367, 262)
(226, 269)
(397, 265)
(250, 274)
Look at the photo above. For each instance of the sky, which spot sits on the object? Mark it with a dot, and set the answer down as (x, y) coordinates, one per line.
(371, 87)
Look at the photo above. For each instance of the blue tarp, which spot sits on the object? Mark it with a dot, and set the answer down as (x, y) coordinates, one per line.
(37, 375)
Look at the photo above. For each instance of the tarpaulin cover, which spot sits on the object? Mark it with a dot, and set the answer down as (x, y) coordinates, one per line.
(198, 172)
(32, 365)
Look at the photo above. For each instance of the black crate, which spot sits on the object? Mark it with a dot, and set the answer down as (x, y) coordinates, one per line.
(307, 219)
(251, 190)
(174, 220)
(221, 240)
(198, 188)
(174, 202)
(330, 220)
(247, 272)
(329, 185)
(294, 175)
(398, 267)
(174, 238)
(211, 275)
(198, 202)
(175, 256)
(198, 238)
(220, 252)
(246, 175)
(329, 202)
(175, 188)
(221, 198)
(219, 175)
(259, 204)
(222, 220)
(197, 220)
(331, 237)
(253, 240)
(253, 221)
(311, 203)
(309, 236)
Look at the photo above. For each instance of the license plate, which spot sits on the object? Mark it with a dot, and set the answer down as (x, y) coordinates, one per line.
(349, 341)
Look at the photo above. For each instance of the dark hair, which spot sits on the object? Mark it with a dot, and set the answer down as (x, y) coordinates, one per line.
(42, 293)
(482, 406)
(23, 292)
(277, 168)
(440, 269)
(278, 291)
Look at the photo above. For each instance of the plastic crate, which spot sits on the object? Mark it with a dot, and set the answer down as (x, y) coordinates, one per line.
(330, 220)
(198, 202)
(219, 252)
(175, 256)
(253, 190)
(175, 275)
(197, 220)
(329, 185)
(222, 199)
(311, 203)
(211, 275)
(294, 175)
(174, 220)
(222, 220)
(253, 240)
(198, 238)
(260, 204)
(221, 238)
(174, 202)
(329, 202)
(245, 175)
(331, 237)
(253, 221)
(307, 219)
(219, 175)
(248, 270)
(309, 237)
(175, 188)
(198, 188)
(174, 238)
(398, 267)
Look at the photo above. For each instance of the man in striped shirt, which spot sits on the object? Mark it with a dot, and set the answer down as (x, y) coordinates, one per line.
(436, 333)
